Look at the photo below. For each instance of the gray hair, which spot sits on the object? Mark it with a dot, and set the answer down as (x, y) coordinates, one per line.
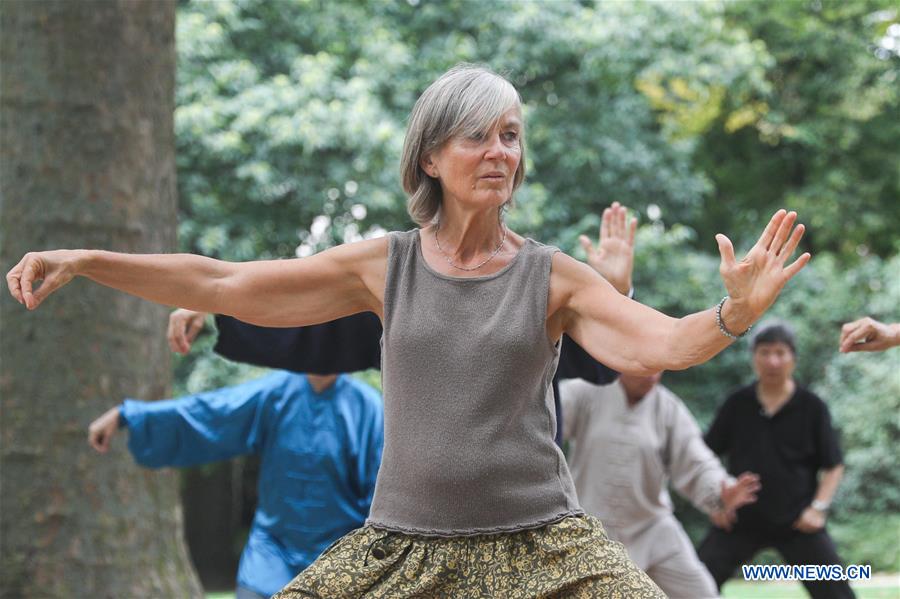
(467, 100)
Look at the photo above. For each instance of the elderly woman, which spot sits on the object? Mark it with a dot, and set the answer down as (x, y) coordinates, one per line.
(473, 497)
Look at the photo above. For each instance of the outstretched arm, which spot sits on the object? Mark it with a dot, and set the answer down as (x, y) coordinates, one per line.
(338, 282)
(630, 337)
(195, 429)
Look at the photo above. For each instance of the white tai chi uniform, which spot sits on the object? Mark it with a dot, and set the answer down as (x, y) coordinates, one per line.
(623, 457)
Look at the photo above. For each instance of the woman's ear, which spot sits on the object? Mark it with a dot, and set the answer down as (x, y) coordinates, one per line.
(428, 165)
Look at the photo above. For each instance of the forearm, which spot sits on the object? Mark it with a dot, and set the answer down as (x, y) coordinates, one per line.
(696, 338)
(828, 484)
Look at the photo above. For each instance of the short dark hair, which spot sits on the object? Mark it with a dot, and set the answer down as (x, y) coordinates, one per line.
(776, 332)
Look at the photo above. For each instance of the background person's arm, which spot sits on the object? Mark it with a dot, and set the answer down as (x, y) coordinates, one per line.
(194, 429)
(867, 334)
(813, 518)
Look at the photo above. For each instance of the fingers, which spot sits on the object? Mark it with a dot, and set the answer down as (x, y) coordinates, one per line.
(784, 229)
(98, 441)
(606, 223)
(195, 325)
(98, 438)
(586, 244)
(12, 282)
(857, 335)
(787, 249)
(726, 251)
(31, 273)
(768, 234)
(48, 286)
(171, 334)
(632, 229)
(797, 266)
(618, 221)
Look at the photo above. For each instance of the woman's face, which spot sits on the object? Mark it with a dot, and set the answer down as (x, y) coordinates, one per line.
(479, 170)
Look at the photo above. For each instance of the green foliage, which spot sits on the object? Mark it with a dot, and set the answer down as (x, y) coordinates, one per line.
(869, 539)
(822, 138)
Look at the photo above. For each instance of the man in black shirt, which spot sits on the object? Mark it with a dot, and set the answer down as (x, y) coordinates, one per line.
(783, 432)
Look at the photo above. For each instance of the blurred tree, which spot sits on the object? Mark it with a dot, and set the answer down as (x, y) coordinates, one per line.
(823, 137)
(88, 161)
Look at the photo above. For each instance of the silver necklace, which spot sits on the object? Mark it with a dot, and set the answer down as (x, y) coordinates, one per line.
(469, 268)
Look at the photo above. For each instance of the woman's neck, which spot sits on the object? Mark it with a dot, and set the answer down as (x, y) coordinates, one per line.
(467, 236)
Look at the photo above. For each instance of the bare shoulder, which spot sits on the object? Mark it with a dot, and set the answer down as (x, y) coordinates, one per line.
(366, 250)
(567, 276)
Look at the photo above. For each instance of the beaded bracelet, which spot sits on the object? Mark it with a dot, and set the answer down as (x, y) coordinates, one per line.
(721, 324)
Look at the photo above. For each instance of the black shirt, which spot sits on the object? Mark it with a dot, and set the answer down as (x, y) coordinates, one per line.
(353, 343)
(787, 450)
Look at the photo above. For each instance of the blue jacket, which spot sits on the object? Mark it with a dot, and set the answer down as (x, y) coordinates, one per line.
(320, 455)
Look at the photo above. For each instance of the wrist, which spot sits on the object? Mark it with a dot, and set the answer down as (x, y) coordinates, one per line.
(82, 261)
(730, 311)
(737, 316)
(894, 333)
(820, 505)
(624, 287)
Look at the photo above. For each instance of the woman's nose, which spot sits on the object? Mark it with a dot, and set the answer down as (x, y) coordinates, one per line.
(495, 149)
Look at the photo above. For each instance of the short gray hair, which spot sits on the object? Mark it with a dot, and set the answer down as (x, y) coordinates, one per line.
(466, 100)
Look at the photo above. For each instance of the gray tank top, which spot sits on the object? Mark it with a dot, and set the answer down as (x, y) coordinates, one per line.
(469, 418)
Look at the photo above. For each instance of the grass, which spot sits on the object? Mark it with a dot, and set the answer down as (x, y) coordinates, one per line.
(882, 586)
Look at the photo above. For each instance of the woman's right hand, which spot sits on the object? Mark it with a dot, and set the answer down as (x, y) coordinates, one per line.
(52, 269)
(184, 326)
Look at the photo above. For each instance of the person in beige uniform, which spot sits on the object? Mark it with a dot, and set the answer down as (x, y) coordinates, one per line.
(628, 440)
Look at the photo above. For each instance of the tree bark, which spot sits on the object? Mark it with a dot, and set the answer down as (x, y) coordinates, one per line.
(87, 138)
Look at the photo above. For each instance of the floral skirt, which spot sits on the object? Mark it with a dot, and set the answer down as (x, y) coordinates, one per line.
(570, 558)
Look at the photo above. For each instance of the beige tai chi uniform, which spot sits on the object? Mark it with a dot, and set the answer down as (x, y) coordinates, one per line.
(622, 457)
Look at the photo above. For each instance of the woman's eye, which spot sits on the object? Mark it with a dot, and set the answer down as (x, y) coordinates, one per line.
(511, 136)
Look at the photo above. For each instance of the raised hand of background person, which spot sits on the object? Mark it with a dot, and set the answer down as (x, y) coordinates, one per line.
(811, 520)
(755, 281)
(103, 429)
(184, 326)
(614, 255)
(867, 334)
(741, 492)
(723, 519)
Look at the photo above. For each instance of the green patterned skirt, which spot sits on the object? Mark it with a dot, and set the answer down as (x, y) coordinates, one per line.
(570, 558)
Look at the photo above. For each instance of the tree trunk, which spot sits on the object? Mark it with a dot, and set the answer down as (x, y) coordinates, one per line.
(87, 161)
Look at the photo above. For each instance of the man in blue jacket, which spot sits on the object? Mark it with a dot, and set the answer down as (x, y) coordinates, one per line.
(319, 439)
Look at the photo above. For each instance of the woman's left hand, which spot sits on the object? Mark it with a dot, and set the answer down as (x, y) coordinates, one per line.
(755, 282)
